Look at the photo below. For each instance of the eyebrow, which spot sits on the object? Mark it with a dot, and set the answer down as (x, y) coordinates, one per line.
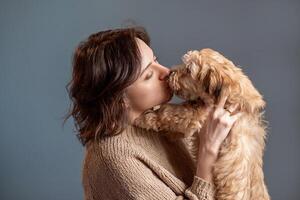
(147, 66)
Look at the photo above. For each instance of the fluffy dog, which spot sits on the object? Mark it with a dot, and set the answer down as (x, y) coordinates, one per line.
(201, 80)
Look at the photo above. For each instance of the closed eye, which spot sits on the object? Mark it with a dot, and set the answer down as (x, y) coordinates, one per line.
(149, 75)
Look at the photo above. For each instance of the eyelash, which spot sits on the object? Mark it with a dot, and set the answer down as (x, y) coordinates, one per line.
(149, 76)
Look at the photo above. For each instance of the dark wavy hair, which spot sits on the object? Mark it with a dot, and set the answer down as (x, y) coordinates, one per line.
(103, 66)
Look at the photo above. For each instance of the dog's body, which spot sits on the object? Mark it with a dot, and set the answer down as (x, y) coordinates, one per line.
(201, 80)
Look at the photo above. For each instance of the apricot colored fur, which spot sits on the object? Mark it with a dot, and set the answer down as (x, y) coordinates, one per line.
(201, 80)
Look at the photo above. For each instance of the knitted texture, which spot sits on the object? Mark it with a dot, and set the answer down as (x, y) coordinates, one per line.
(141, 164)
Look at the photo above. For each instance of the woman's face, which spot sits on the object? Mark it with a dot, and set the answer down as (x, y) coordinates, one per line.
(151, 88)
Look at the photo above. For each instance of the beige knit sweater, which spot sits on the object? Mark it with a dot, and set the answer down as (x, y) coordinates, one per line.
(140, 164)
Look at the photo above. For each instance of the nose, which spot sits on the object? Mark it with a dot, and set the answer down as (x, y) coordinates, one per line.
(164, 74)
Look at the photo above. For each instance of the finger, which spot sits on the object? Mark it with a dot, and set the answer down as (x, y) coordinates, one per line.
(236, 116)
(210, 109)
(222, 101)
(232, 108)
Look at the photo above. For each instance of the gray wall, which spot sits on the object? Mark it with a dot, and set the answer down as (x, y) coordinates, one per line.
(42, 160)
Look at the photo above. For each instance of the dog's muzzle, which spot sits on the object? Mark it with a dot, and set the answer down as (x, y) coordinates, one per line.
(171, 74)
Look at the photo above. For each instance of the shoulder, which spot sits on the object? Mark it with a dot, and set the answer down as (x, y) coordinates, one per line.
(102, 160)
(99, 159)
(112, 170)
(107, 150)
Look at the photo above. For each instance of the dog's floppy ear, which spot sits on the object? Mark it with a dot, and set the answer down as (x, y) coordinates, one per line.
(214, 83)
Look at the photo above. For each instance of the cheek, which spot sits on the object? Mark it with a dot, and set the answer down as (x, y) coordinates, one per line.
(148, 94)
(152, 93)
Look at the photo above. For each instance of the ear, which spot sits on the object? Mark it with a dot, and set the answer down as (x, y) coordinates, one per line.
(210, 84)
(126, 101)
(215, 84)
(127, 106)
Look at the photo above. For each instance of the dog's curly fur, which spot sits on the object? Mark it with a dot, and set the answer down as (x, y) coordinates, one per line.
(201, 80)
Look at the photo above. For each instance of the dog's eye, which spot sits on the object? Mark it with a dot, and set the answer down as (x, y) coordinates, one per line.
(188, 70)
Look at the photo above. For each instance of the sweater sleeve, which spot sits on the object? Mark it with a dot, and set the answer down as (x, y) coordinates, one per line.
(129, 178)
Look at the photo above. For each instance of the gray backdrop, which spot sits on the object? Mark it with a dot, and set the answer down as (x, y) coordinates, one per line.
(42, 160)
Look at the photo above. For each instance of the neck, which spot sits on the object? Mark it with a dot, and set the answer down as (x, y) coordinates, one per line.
(133, 115)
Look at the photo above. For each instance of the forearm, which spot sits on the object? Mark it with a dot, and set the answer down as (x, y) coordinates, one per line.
(206, 159)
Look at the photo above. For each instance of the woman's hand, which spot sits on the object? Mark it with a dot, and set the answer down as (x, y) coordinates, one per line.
(217, 126)
(211, 136)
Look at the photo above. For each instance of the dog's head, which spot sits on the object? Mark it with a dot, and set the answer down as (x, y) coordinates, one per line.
(208, 74)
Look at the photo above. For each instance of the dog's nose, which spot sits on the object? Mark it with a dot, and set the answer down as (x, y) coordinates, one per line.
(170, 74)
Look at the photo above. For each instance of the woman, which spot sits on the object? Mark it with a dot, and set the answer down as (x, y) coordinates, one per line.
(116, 76)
